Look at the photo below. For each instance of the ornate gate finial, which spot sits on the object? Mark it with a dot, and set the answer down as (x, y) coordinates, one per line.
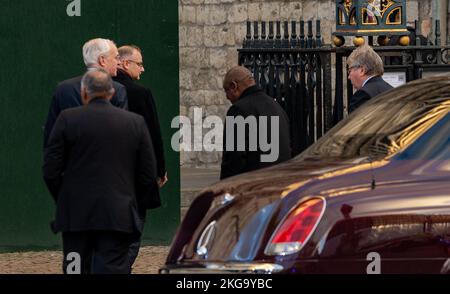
(360, 18)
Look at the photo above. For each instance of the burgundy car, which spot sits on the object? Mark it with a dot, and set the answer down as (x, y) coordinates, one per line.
(371, 196)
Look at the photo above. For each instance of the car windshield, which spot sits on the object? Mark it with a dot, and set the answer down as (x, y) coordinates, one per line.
(432, 145)
(386, 123)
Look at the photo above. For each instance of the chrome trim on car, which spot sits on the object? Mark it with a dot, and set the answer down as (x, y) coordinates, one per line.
(205, 239)
(227, 198)
(226, 268)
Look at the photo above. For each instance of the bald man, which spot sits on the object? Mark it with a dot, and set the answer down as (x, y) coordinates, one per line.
(252, 104)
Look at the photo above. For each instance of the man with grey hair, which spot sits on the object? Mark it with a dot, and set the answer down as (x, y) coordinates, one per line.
(98, 165)
(141, 101)
(365, 69)
(97, 53)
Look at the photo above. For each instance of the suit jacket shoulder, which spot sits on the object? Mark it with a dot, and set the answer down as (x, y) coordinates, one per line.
(376, 86)
(67, 93)
(69, 83)
(72, 88)
(372, 88)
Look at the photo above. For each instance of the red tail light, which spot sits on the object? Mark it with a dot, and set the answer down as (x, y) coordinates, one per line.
(296, 228)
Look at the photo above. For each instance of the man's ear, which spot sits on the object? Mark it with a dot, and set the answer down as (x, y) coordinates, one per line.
(124, 64)
(363, 70)
(101, 60)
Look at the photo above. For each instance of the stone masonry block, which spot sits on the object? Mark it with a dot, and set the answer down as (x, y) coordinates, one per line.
(238, 13)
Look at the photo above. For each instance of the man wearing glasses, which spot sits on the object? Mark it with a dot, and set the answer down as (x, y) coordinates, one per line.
(365, 69)
(140, 101)
(97, 54)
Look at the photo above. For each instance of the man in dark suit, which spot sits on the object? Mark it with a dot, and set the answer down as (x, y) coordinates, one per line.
(99, 166)
(140, 101)
(97, 53)
(252, 104)
(365, 69)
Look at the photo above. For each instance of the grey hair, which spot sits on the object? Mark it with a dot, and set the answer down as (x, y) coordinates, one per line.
(128, 50)
(97, 82)
(95, 48)
(367, 58)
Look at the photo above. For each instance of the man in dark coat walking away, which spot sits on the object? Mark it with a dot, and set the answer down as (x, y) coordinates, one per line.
(262, 121)
(140, 101)
(97, 157)
(365, 69)
(97, 53)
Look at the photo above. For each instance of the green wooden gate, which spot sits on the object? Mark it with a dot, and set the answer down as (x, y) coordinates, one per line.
(40, 45)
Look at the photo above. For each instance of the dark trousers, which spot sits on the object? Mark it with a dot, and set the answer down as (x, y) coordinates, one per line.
(100, 252)
(133, 251)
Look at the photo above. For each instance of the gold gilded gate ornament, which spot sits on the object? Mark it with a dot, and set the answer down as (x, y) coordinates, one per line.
(370, 18)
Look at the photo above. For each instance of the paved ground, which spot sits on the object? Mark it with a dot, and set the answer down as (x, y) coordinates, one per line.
(150, 259)
(198, 178)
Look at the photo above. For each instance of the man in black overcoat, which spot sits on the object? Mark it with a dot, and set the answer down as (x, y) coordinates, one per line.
(140, 101)
(251, 103)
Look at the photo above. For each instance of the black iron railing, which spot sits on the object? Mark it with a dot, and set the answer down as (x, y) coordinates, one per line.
(296, 71)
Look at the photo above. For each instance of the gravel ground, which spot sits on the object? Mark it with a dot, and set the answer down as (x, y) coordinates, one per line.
(150, 259)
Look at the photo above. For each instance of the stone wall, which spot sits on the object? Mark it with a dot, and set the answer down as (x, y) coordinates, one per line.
(210, 33)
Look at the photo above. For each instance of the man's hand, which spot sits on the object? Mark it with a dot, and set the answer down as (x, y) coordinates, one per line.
(162, 181)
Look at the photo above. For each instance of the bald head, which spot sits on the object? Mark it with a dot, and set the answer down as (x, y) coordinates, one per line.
(96, 83)
(236, 81)
(238, 74)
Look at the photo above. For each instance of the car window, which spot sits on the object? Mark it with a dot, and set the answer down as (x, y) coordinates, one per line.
(385, 124)
(432, 145)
